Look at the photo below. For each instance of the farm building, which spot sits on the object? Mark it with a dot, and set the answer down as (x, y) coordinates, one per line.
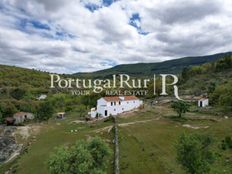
(115, 105)
(42, 97)
(60, 115)
(9, 121)
(203, 102)
(93, 112)
(20, 117)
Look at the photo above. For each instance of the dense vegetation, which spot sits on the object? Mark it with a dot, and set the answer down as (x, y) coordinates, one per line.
(148, 69)
(194, 153)
(81, 158)
(213, 79)
(180, 107)
(20, 88)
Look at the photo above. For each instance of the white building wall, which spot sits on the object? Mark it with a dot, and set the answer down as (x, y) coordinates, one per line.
(115, 109)
(204, 102)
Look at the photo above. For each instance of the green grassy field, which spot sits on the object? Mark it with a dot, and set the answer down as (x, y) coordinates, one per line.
(146, 140)
(149, 147)
(54, 134)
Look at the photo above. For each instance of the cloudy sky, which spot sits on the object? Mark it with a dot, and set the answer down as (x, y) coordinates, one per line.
(68, 36)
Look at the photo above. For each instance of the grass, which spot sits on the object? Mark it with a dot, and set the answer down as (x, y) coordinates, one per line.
(53, 134)
(145, 147)
(150, 146)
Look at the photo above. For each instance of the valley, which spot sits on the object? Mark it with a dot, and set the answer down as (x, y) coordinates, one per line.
(150, 132)
(147, 136)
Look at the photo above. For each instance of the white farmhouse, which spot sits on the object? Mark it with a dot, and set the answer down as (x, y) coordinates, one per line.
(115, 105)
(203, 102)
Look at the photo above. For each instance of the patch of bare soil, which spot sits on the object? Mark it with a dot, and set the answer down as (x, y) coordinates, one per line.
(128, 113)
(195, 127)
(137, 122)
(26, 131)
(78, 121)
(107, 128)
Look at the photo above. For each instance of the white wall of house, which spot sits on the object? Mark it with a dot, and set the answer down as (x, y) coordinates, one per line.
(203, 102)
(107, 108)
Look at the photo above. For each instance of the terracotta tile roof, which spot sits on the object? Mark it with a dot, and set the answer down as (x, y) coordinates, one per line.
(20, 114)
(203, 98)
(130, 97)
(112, 98)
(119, 98)
(9, 119)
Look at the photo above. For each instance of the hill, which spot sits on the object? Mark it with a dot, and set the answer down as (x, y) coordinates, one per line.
(148, 69)
(11, 76)
(213, 79)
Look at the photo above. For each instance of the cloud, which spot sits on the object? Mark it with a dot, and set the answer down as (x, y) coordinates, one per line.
(77, 36)
(185, 11)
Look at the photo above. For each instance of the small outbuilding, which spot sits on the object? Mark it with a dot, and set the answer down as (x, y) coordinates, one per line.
(20, 117)
(203, 102)
(9, 121)
(92, 113)
(60, 115)
(42, 97)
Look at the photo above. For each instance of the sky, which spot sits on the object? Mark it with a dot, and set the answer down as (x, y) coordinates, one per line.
(68, 36)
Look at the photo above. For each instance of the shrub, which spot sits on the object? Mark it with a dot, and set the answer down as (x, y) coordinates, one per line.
(180, 107)
(194, 154)
(81, 158)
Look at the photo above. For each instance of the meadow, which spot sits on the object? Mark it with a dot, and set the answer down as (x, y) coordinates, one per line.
(146, 140)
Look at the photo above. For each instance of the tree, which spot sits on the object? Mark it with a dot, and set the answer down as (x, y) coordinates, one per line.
(99, 151)
(194, 154)
(180, 107)
(7, 109)
(185, 74)
(222, 96)
(45, 111)
(83, 157)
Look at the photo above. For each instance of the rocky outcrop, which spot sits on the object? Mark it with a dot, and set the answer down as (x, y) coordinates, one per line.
(8, 146)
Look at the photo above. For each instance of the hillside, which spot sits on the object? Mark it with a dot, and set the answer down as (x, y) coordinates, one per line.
(148, 69)
(213, 79)
(11, 76)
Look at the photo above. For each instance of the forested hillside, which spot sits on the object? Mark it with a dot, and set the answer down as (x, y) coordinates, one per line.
(148, 69)
(214, 79)
(20, 88)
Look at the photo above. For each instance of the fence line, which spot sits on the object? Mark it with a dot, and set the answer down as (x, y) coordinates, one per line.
(116, 149)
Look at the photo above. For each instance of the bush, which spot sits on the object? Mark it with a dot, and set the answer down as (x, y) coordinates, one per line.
(8, 109)
(18, 93)
(45, 111)
(194, 154)
(222, 96)
(226, 143)
(82, 158)
(180, 107)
